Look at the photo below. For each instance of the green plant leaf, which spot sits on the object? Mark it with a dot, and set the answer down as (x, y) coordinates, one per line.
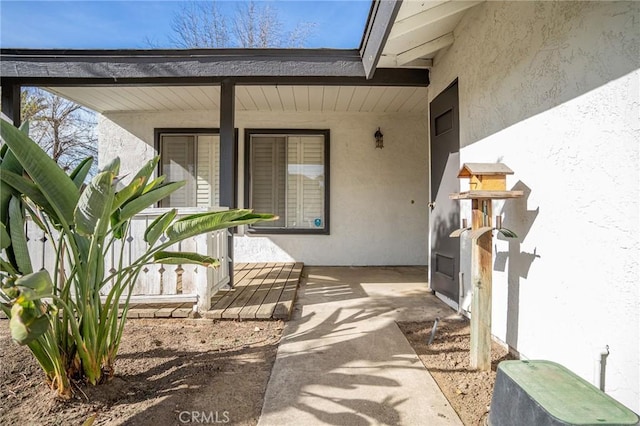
(5, 239)
(5, 196)
(79, 174)
(55, 185)
(38, 283)
(119, 228)
(201, 223)
(24, 127)
(35, 217)
(94, 204)
(18, 237)
(7, 267)
(145, 172)
(113, 166)
(154, 183)
(9, 164)
(140, 203)
(182, 258)
(27, 323)
(158, 226)
(22, 185)
(127, 192)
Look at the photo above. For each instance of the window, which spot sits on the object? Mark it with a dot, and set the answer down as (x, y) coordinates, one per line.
(288, 175)
(192, 156)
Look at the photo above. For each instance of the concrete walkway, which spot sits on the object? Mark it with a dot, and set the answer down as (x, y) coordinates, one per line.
(344, 361)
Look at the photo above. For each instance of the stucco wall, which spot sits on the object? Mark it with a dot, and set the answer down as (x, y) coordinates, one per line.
(378, 197)
(552, 90)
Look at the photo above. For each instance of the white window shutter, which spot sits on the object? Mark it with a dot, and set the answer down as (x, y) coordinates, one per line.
(294, 182)
(207, 179)
(178, 163)
(216, 171)
(268, 177)
(305, 203)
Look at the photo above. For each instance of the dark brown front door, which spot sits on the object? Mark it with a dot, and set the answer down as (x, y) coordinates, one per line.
(445, 213)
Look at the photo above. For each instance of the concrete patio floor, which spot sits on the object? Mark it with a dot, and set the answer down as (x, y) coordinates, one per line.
(344, 361)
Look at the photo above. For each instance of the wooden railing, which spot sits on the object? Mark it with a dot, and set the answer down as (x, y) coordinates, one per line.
(157, 283)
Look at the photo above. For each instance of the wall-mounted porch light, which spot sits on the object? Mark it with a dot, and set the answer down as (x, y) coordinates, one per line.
(379, 139)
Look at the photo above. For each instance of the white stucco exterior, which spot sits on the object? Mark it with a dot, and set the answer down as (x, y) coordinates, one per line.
(379, 197)
(552, 90)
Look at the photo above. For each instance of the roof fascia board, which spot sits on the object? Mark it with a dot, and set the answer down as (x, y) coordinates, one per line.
(400, 77)
(381, 19)
(142, 64)
(179, 53)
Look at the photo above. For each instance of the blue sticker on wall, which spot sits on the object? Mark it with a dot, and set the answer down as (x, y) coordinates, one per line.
(318, 222)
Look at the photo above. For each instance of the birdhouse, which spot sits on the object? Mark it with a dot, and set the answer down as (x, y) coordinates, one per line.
(487, 182)
(486, 176)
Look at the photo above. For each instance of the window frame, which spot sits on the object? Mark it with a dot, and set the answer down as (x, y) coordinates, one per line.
(157, 136)
(326, 133)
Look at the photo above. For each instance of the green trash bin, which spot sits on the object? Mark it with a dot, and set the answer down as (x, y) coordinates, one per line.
(541, 393)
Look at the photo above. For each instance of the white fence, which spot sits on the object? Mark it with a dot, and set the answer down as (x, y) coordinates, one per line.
(157, 283)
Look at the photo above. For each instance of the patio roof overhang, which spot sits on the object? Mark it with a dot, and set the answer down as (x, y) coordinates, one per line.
(190, 79)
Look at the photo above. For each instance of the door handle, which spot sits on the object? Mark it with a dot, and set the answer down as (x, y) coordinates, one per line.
(432, 205)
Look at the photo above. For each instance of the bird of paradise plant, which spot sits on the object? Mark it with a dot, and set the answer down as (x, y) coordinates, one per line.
(59, 314)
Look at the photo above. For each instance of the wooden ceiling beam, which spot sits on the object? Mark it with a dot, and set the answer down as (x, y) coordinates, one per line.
(425, 49)
(391, 61)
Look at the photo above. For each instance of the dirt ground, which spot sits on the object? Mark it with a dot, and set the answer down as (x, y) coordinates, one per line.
(179, 371)
(169, 372)
(447, 359)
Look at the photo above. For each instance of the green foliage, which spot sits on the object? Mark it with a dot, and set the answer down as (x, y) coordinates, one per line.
(28, 315)
(58, 314)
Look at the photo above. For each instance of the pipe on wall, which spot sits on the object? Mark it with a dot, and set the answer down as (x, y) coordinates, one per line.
(600, 370)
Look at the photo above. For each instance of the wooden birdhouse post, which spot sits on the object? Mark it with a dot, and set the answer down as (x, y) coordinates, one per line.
(487, 182)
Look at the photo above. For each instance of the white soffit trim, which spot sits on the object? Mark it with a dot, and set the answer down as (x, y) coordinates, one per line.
(280, 98)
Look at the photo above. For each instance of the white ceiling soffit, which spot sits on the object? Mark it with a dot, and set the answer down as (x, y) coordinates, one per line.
(421, 29)
(249, 98)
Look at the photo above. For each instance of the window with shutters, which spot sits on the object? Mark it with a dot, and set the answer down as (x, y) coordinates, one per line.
(194, 158)
(287, 174)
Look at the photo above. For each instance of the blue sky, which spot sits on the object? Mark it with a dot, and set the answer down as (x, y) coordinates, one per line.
(128, 24)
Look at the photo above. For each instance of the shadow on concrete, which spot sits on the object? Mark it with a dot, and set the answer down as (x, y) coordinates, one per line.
(347, 362)
(325, 290)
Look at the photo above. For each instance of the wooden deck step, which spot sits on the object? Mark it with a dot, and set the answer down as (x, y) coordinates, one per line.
(161, 310)
(284, 307)
(230, 296)
(251, 307)
(261, 291)
(265, 311)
